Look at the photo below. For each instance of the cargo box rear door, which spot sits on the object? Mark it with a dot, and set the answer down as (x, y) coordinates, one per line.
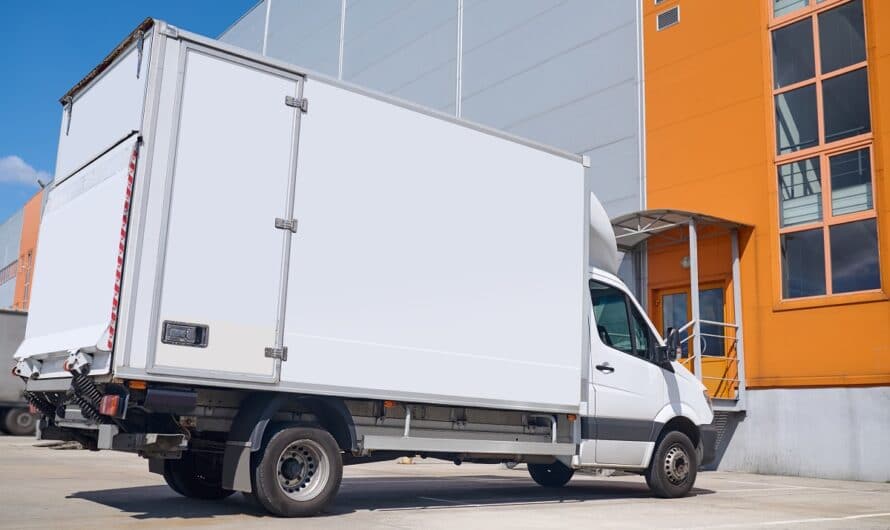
(79, 259)
(220, 283)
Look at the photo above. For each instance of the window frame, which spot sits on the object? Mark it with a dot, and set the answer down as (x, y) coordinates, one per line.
(629, 308)
(813, 6)
(823, 151)
(9, 272)
(829, 219)
(812, 12)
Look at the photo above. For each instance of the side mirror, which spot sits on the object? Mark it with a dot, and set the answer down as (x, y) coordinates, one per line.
(672, 345)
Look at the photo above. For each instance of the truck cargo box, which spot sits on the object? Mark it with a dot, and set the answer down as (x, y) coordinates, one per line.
(226, 219)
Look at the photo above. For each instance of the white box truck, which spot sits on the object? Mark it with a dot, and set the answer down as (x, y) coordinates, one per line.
(252, 275)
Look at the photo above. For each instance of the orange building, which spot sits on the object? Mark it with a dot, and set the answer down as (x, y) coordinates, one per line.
(31, 214)
(770, 118)
(18, 247)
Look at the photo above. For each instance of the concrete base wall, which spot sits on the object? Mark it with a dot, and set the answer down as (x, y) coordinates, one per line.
(836, 433)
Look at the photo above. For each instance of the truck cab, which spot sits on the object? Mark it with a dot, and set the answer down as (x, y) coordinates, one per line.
(636, 385)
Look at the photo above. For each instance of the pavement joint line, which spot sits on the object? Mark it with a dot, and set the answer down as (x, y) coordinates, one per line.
(844, 490)
(480, 503)
(440, 500)
(756, 490)
(802, 521)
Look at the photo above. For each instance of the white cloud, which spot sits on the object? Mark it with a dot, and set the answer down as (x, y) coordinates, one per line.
(15, 170)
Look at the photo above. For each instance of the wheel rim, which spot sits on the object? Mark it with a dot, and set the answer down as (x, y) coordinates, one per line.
(303, 470)
(676, 465)
(24, 420)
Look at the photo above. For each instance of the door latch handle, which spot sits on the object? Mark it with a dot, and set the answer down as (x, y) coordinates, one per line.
(605, 368)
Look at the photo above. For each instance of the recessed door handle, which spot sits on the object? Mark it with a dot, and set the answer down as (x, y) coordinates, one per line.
(605, 368)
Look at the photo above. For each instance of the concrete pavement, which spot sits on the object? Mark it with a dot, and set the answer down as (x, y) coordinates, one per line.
(51, 488)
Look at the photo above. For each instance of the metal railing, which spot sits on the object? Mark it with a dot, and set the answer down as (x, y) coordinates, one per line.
(720, 374)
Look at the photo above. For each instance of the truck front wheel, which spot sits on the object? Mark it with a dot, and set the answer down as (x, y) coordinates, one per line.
(196, 476)
(298, 472)
(18, 422)
(555, 475)
(674, 465)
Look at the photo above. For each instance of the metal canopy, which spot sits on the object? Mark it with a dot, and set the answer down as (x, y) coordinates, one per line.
(634, 228)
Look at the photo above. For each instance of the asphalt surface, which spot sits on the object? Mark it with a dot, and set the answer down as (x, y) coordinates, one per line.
(42, 487)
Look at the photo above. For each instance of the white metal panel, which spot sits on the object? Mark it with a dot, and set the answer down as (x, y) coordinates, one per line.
(603, 248)
(223, 254)
(12, 330)
(105, 111)
(433, 260)
(149, 214)
(76, 261)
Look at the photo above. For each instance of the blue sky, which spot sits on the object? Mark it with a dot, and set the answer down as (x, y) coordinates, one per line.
(46, 46)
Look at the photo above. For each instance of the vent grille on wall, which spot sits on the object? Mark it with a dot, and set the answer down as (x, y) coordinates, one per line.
(668, 18)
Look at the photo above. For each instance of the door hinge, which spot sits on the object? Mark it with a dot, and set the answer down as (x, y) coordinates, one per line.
(299, 103)
(286, 224)
(277, 353)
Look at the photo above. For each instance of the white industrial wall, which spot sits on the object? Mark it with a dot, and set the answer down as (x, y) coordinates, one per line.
(10, 240)
(567, 73)
(12, 331)
(836, 433)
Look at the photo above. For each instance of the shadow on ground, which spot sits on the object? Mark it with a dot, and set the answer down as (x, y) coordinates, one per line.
(381, 494)
(160, 502)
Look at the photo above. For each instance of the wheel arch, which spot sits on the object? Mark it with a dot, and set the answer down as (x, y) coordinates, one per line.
(681, 424)
(254, 415)
(334, 416)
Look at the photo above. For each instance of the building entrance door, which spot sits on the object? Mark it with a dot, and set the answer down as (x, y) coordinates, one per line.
(673, 309)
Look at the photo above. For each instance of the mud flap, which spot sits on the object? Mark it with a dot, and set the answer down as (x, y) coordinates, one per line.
(246, 437)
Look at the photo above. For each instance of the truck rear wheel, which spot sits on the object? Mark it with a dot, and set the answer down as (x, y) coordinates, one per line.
(555, 475)
(196, 476)
(673, 468)
(298, 472)
(19, 422)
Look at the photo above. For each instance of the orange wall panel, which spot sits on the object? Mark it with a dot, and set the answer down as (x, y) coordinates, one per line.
(714, 255)
(710, 149)
(27, 251)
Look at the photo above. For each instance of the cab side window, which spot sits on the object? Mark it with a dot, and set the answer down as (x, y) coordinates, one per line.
(618, 323)
(644, 343)
(610, 315)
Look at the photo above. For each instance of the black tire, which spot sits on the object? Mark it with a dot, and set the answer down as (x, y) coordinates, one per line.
(196, 476)
(555, 475)
(298, 472)
(674, 466)
(19, 422)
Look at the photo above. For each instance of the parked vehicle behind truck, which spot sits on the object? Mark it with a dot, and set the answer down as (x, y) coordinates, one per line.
(252, 276)
(15, 418)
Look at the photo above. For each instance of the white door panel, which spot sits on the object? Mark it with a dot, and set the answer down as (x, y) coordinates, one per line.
(74, 275)
(229, 183)
(629, 389)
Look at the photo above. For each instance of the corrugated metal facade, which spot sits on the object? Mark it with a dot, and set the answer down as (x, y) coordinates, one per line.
(10, 240)
(566, 73)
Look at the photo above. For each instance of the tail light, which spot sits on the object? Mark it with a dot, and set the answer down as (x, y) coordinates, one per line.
(110, 405)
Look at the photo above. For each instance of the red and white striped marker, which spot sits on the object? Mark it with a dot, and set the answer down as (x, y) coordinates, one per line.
(115, 302)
